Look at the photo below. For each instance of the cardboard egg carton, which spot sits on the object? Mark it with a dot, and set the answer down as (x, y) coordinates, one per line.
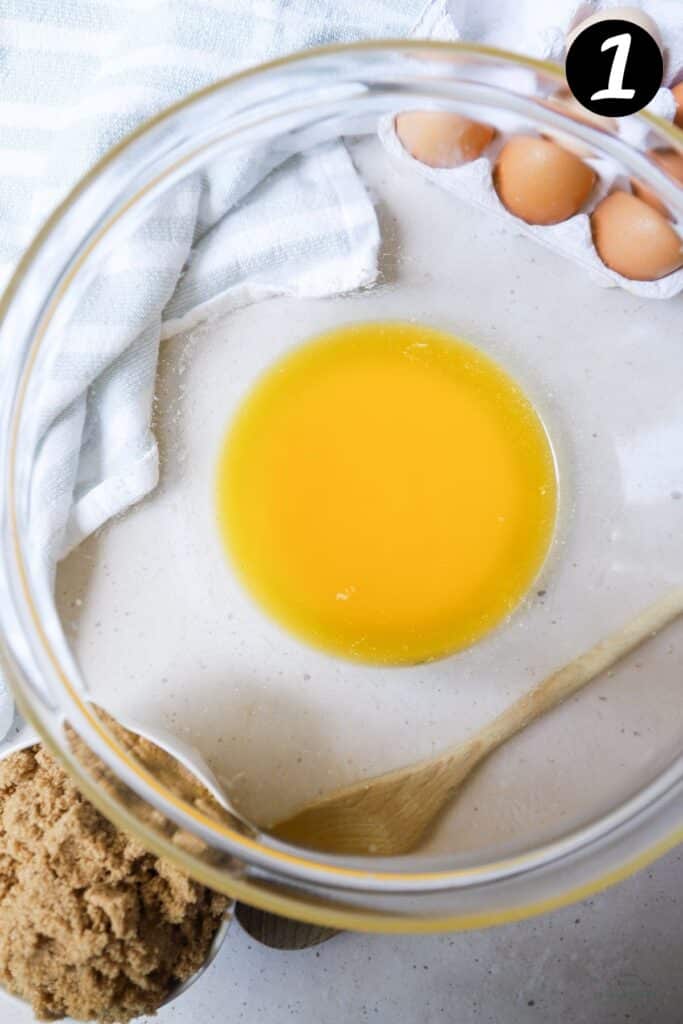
(473, 182)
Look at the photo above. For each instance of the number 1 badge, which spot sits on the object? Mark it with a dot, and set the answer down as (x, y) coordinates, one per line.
(614, 64)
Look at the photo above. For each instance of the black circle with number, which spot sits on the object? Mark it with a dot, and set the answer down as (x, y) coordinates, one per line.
(614, 67)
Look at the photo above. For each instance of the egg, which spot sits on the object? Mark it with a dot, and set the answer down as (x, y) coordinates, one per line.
(678, 96)
(632, 14)
(634, 239)
(541, 182)
(441, 139)
(671, 163)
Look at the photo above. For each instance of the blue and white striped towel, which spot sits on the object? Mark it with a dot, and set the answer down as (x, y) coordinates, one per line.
(75, 77)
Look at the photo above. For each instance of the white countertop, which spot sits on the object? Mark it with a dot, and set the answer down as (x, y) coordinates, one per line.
(613, 958)
(610, 959)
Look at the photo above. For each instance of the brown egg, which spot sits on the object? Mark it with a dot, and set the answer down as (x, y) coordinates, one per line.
(632, 14)
(633, 239)
(540, 181)
(671, 163)
(678, 96)
(440, 139)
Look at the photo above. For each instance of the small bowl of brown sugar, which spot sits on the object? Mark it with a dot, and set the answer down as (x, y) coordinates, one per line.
(92, 925)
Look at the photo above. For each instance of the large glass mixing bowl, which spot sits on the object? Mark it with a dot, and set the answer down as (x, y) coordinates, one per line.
(148, 621)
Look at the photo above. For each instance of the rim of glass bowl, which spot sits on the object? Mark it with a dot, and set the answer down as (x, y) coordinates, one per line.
(90, 213)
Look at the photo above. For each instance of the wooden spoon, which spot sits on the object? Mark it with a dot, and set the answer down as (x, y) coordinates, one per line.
(391, 814)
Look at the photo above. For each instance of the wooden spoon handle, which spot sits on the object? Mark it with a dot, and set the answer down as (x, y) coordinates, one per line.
(569, 680)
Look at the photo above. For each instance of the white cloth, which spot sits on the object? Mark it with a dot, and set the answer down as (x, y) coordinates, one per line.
(78, 75)
(539, 28)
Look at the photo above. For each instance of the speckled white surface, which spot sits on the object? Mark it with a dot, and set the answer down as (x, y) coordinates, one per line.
(614, 959)
(166, 636)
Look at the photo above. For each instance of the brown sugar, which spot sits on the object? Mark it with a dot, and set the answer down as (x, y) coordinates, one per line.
(91, 925)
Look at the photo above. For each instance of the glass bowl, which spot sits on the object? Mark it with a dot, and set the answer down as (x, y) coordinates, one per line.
(149, 622)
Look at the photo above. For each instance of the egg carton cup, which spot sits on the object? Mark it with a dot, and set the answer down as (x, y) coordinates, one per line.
(572, 238)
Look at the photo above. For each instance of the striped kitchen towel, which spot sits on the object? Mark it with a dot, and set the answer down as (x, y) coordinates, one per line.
(75, 77)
